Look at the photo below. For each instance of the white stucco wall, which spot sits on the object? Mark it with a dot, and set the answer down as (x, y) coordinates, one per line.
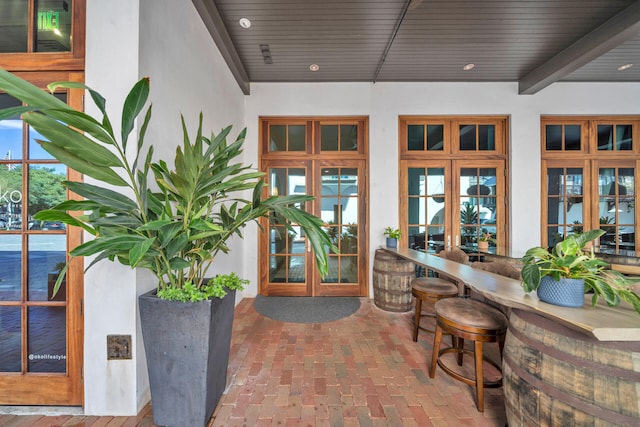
(167, 41)
(384, 102)
(110, 289)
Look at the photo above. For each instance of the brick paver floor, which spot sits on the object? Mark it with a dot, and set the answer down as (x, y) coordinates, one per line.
(363, 370)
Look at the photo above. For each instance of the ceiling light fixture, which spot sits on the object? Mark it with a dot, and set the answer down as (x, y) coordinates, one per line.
(468, 67)
(314, 67)
(625, 67)
(244, 23)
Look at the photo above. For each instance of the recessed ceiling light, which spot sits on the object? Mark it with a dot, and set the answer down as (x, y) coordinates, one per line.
(314, 67)
(625, 67)
(244, 22)
(468, 67)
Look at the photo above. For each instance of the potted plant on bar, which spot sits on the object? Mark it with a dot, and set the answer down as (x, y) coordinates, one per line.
(483, 241)
(393, 235)
(562, 275)
(172, 222)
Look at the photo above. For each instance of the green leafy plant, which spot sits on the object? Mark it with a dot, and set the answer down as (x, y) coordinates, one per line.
(170, 219)
(392, 233)
(570, 259)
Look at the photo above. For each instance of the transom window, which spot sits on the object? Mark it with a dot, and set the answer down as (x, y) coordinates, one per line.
(36, 26)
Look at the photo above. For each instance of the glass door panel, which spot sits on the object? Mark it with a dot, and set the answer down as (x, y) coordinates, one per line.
(617, 210)
(426, 208)
(478, 199)
(339, 210)
(339, 193)
(287, 244)
(40, 330)
(565, 203)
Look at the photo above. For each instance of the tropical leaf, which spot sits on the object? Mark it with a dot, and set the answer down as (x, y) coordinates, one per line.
(133, 104)
(72, 141)
(104, 196)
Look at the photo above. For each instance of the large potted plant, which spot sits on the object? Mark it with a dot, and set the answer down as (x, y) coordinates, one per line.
(563, 274)
(171, 219)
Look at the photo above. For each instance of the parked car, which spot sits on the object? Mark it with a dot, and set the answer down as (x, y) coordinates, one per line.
(46, 225)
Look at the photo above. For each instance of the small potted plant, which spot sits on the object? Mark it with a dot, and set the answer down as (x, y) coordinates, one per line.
(562, 275)
(393, 235)
(483, 241)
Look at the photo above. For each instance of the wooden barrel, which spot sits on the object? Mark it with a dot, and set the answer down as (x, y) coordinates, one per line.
(392, 278)
(555, 376)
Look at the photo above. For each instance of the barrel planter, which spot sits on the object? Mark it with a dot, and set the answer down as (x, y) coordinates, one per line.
(555, 376)
(392, 278)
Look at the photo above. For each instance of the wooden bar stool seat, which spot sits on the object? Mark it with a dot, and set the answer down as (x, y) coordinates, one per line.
(473, 320)
(429, 290)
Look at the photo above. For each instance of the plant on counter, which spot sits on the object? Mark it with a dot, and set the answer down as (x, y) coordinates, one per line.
(570, 260)
(392, 233)
(486, 237)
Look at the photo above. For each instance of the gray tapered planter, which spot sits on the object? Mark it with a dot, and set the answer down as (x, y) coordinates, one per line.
(187, 347)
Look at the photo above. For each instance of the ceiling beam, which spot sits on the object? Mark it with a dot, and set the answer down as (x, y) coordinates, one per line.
(623, 26)
(214, 23)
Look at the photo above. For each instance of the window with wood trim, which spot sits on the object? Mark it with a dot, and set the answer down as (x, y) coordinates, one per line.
(38, 35)
(589, 172)
(453, 182)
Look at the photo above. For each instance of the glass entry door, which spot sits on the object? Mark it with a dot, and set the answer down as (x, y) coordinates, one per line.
(40, 332)
(341, 207)
(291, 265)
(288, 250)
(326, 158)
(455, 204)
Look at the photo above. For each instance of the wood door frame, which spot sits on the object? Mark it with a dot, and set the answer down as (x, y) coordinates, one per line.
(501, 199)
(264, 240)
(341, 289)
(315, 156)
(451, 154)
(57, 388)
(590, 159)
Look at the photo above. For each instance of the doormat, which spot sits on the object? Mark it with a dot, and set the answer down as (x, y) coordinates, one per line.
(306, 309)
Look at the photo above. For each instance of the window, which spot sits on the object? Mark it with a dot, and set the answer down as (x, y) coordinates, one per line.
(589, 166)
(36, 26)
(37, 35)
(453, 182)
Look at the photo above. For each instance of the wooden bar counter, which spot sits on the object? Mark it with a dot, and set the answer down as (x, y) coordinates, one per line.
(602, 322)
(561, 366)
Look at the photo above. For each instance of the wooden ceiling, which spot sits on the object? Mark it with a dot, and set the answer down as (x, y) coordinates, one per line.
(535, 43)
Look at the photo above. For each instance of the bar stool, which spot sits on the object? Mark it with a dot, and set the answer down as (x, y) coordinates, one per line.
(429, 290)
(473, 320)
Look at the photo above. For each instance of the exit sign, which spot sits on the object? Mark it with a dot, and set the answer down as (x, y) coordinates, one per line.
(48, 21)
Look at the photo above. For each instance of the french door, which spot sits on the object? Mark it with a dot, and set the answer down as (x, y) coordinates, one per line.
(452, 203)
(40, 332)
(333, 170)
(453, 184)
